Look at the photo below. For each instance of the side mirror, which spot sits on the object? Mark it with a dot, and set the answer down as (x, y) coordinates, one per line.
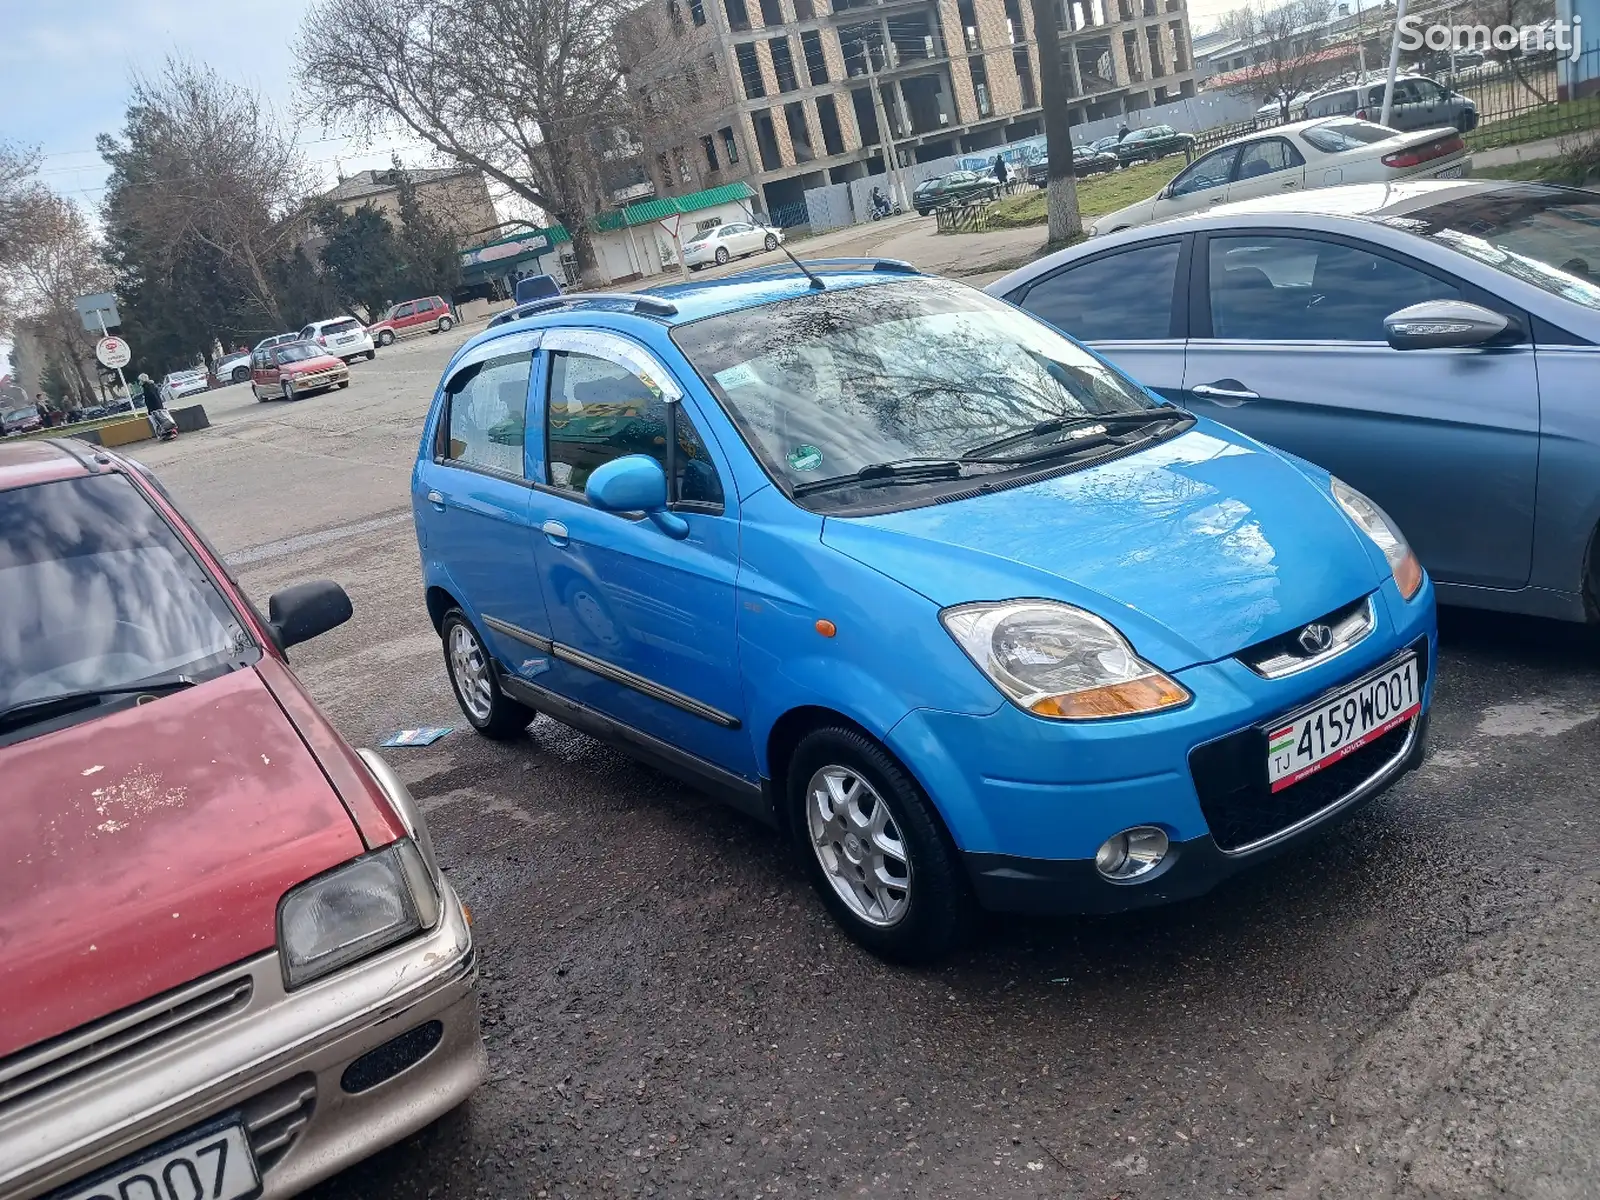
(306, 610)
(1443, 324)
(635, 483)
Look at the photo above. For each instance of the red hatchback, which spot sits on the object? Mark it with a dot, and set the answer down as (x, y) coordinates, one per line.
(431, 314)
(230, 964)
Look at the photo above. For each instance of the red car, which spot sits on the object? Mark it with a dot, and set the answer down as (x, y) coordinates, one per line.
(230, 964)
(295, 369)
(432, 314)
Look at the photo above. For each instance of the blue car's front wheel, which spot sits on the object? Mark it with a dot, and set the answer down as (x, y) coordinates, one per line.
(875, 849)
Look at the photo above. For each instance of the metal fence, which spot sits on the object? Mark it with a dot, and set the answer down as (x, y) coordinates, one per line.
(1519, 100)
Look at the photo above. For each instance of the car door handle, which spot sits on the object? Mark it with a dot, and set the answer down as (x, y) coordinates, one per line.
(1234, 390)
(1290, 183)
(556, 532)
(436, 498)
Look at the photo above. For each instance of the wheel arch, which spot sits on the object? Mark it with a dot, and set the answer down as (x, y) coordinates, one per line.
(440, 601)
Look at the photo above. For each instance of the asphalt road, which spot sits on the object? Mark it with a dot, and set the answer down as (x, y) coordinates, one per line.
(1406, 1008)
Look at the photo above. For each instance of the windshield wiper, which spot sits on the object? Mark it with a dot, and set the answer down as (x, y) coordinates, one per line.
(1086, 423)
(900, 470)
(45, 707)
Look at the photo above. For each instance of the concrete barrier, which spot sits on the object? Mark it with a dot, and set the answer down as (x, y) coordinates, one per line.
(124, 433)
(191, 418)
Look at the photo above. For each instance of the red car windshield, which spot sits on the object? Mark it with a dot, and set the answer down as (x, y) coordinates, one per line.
(97, 591)
(298, 352)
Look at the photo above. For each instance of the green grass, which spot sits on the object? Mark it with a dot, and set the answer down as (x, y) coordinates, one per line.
(1579, 166)
(1550, 120)
(1097, 195)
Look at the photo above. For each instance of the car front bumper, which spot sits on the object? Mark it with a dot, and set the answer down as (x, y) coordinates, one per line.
(319, 1078)
(1029, 801)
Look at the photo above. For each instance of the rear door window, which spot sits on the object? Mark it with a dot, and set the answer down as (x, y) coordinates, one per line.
(486, 415)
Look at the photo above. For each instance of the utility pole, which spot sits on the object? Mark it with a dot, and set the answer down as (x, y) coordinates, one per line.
(1394, 62)
(897, 192)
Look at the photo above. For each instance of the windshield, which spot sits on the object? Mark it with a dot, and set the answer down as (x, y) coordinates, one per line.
(830, 382)
(97, 591)
(1549, 237)
(1348, 134)
(298, 352)
(344, 326)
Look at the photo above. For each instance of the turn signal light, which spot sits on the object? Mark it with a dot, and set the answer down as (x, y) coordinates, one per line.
(1146, 694)
(1408, 575)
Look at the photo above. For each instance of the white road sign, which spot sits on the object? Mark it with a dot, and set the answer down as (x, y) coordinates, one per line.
(113, 352)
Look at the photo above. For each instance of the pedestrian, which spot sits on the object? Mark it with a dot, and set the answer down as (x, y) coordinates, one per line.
(1122, 131)
(1000, 171)
(161, 422)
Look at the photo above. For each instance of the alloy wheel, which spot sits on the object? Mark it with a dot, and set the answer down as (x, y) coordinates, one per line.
(857, 840)
(722, 254)
(470, 670)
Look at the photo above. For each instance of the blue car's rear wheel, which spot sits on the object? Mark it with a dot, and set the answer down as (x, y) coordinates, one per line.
(472, 678)
(875, 849)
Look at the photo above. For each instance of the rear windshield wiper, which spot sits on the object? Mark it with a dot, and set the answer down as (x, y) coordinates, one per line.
(1087, 424)
(45, 707)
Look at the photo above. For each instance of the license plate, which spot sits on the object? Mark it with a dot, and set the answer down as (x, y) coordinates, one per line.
(1341, 726)
(1455, 172)
(216, 1165)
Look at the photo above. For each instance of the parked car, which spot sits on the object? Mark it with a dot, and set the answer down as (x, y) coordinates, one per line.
(1296, 158)
(24, 419)
(1147, 145)
(277, 339)
(1084, 162)
(736, 239)
(1419, 103)
(233, 966)
(956, 187)
(344, 337)
(179, 384)
(895, 567)
(235, 368)
(1304, 321)
(431, 314)
(295, 370)
(536, 287)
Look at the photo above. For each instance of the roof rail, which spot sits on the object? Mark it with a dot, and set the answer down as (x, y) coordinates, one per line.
(654, 306)
(894, 266)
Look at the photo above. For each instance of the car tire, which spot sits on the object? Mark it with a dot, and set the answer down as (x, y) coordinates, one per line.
(344, 383)
(695, 266)
(240, 374)
(935, 912)
(288, 391)
(372, 355)
(771, 243)
(445, 324)
(472, 677)
(722, 255)
(386, 338)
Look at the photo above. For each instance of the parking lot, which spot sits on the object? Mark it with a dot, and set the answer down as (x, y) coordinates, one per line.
(1404, 1008)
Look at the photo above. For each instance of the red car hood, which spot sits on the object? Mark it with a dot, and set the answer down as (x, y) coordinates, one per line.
(148, 848)
(321, 362)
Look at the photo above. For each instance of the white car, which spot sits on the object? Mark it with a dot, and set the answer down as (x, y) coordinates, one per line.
(235, 368)
(733, 240)
(185, 383)
(1302, 156)
(342, 337)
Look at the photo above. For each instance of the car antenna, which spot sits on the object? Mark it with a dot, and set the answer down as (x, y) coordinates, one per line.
(816, 282)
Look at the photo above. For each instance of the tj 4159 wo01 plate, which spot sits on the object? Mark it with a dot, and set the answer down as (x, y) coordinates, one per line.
(1343, 724)
(213, 1165)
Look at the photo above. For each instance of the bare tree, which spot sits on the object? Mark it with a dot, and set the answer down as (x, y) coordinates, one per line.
(676, 87)
(1064, 220)
(1289, 43)
(512, 87)
(23, 201)
(58, 262)
(206, 161)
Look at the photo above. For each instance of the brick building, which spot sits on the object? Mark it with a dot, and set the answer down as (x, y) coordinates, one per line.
(456, 197)
(786, 102)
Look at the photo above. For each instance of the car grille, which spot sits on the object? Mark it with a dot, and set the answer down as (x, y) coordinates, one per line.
(1283, 655)
(320, 379)
(1230, 777)
(274, 1119)
(152, 1025)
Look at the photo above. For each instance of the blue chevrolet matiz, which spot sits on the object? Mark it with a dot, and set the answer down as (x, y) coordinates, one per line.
(974, 618)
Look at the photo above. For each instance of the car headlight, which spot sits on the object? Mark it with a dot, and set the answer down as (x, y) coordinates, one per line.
(1380, 527)
(1055, 660)
(355, 910)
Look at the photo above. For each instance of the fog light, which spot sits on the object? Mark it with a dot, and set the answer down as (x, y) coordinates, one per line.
(1131, 853)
